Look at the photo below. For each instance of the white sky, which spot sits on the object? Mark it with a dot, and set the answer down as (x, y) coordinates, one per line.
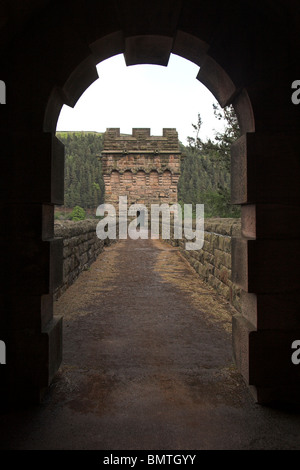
(143, 96)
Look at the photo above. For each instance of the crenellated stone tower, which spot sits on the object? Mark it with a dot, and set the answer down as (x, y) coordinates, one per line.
(142, 167)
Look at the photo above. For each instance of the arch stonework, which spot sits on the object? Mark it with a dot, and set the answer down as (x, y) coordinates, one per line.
(148, 159)
(248, 56)
(154, 178)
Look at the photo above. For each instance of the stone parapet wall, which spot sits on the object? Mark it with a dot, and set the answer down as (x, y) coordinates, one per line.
(213, 261)
(81, 246)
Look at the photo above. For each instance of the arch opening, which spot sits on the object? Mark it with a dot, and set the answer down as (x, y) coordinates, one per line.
(267, 291)
(140, 178)
(210, 74)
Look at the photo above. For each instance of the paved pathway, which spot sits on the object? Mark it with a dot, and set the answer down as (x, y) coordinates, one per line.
(147, 365)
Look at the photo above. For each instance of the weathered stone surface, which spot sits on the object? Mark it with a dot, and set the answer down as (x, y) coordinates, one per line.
(142, 167)
(213, 261)
(81, 246)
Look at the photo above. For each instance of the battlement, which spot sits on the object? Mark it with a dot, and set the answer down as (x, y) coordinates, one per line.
(140, 140)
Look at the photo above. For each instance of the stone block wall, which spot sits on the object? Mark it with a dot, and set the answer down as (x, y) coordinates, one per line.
(213, 261)
(81, 246)
(143, 167)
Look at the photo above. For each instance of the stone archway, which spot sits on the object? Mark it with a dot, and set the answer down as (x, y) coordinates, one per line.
(56, 56)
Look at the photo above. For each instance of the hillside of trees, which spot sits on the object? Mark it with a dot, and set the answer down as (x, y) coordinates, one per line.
(84, 186)
(205, 170)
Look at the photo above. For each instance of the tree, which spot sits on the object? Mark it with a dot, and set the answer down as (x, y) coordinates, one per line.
(205, 170)
(225, 139)
(78, 213)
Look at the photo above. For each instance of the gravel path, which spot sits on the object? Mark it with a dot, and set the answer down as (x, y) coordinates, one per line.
(147, 365)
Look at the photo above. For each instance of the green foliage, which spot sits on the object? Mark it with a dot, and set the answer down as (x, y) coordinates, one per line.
(84, 184)
(216, 204)
(78, 213)
(58, 215)
(205, 168)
